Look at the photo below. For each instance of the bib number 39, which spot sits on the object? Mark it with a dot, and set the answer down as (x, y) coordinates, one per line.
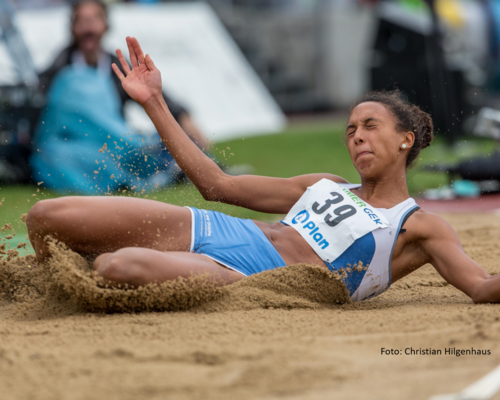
(343, 212)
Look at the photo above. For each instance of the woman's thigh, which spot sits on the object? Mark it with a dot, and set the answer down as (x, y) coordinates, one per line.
(96, 225)
(139, 266)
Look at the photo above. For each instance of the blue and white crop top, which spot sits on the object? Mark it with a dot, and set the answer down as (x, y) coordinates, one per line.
(347, 233)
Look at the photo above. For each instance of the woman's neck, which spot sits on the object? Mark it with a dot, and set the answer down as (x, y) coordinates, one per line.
(384, 192)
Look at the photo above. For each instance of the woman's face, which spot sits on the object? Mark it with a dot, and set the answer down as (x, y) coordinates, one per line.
(373, 142)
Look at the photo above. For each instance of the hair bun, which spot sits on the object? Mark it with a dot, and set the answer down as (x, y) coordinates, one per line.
(426, 127)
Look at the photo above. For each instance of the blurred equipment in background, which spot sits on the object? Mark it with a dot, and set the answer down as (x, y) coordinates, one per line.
(487, 124)
(485, 169)
(19, 104)
(476, 175)
(408, 55)
(312, 56)
(16, 46)
(439, 54)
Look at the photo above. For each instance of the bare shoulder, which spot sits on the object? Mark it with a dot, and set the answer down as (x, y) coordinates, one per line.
(426, 234)
(426, 225)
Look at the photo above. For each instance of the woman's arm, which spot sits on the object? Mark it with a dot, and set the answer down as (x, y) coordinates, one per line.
(441, 244)
(260, 193)
(265, 194)
(189, 127)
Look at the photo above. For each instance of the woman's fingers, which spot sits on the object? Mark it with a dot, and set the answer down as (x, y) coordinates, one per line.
(136, 56)
(123, 62)
(131, 52)
(118, 73)
(149, 63)
(137, 49)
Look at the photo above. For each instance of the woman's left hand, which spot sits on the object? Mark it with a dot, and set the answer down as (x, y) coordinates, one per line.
(143, 81)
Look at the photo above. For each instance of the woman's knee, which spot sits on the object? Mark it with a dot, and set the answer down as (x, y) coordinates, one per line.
(120, 267)
(45, 213)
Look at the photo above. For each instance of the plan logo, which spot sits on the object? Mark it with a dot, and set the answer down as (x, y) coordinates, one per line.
(302, 217)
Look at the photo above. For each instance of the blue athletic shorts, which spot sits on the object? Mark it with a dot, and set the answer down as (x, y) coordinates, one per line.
(236, 243)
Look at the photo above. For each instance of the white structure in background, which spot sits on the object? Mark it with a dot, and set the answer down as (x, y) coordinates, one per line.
(201, 66)
(348, 37)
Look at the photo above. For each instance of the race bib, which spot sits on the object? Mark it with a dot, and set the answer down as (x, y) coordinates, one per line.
(331, 218)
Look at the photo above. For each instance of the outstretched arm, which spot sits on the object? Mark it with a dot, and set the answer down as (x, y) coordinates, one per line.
(273, 195)
(446, 254)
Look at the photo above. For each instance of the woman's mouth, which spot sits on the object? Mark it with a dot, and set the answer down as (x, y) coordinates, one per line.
(363, 153)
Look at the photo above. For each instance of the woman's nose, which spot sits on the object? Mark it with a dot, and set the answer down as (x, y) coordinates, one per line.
(358, 139)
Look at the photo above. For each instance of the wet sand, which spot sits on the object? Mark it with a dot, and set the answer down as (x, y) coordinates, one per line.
(289, 334)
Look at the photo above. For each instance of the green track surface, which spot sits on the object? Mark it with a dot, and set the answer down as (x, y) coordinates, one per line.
(301, 149)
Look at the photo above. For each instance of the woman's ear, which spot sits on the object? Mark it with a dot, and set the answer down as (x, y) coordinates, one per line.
(409, 139)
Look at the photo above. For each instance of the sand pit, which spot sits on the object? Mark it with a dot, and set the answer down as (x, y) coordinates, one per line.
(288, 334)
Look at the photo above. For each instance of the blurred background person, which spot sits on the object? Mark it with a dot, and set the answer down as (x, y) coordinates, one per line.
(84, 110)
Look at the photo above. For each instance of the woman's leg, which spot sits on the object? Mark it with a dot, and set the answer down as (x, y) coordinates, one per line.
(138, 266)
(96, 225)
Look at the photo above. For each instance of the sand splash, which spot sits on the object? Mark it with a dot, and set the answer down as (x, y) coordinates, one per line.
(66, 284)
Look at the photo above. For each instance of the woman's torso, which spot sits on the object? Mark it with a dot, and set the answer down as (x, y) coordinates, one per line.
(405, 252)
(291, 246)
(295, 250)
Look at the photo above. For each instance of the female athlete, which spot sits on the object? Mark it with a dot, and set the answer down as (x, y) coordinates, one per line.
(329, 222)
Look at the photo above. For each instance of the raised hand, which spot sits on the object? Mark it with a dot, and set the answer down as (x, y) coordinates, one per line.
(143, 81)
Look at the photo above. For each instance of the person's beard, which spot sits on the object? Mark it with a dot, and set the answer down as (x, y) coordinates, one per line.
(88, 41)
